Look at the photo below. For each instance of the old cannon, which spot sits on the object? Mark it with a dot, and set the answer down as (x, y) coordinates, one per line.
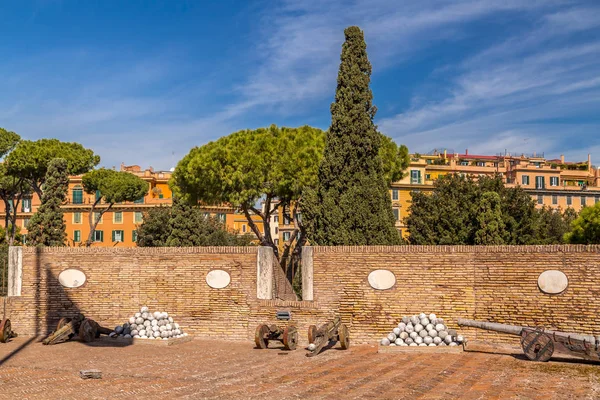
(330, 331)
(539, 344)
(86, 329)
(265, 333)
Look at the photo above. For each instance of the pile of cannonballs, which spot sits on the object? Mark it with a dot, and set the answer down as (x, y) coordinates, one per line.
(148, 325)
(422, 330)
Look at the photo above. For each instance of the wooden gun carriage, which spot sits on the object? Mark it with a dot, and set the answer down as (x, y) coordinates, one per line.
(86, 329)
(539, 344)
(330, 331)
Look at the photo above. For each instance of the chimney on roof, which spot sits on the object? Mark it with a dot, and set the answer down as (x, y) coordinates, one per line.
(562, 159)
(445, 154)
(589, 161)
(466, 152)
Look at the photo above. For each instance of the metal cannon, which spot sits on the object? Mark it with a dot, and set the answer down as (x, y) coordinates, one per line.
(330, 331)
(539, 344)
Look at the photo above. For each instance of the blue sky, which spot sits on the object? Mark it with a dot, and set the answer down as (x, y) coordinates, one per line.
(142, 82)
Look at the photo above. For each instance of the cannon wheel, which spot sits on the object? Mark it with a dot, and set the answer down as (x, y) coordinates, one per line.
(260, 336)
(5, 330)
(88, 330)
(537, 346)
(344, 336)
(290, 338)
(62, 322)
(312, 333)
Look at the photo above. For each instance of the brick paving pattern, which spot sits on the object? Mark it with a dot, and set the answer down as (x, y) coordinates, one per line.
(235, 370)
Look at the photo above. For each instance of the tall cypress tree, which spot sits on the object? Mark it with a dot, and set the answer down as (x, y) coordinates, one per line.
(351, 204)
(47, 226)
(182, 225)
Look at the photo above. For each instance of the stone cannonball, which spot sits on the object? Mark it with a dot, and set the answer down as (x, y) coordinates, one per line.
(409, 328)
(176, 325)
(427, 340)
(453, 344)
(437, 340)
(403, 335)
(391, 337)
(154, 329)
(422, 315)
(169, 327)
(442, 344)
(154, 323)
(440, 327)
(414, 320)
(460, 338)
(443, 334)
(432, 316)
(135, 332)
(133, 326)
(433, 333)
(401, 326)
(164, 334)
(142, 332)
(145, 315)
(170, 319)
(165, 315)
(399, 342)
(150, 317)
(144, 309)
(139, 321)
(136, 336)
(396, 331)
(448, 339)
(419, 340)
(452, 332)
(405, 320)
(126, 325)
(409, 341)
(126, 331)
(128, 336)
(440, 321)
(418, 328)
(177, 332)
(392, 344)
(432, 344)
(119, 329)
(425, 321)
(147, 323)
(162, 329)
(132, 320)
(423, 333)
(137, 315)
(156, 334)
(384, 342)
(414, 335)
(428, 327)
(423, 344)
(156, 314)
(413, 344)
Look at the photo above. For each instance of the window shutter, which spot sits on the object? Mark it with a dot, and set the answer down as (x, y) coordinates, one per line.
(113, 235)
(419, 176)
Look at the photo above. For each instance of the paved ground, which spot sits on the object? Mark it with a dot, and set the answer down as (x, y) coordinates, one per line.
(226, 370)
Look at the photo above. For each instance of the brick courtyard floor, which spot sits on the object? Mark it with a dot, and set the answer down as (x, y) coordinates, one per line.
(235, 370)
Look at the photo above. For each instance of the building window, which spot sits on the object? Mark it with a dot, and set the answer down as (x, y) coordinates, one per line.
(540, 182)
(118, 217)
(582, 201)
(540, 199)
(481, 163)
(98, 236)
(396, 214)
(428, 177)
(286, 219)
(25, 222)
(415, 177)
(10, 205)
(134, 236)
(569, 200)
(24, 238)
(139, 201)
(394, 194)
(117, 236)
(276, 241)
(77, 196)
(554, 199)
(138, 217)
(221, 217)
(276, 230)
(26, 205)
(98, 217)
(465, 163)
(554, 181)
(98, 195)
(299, 217)
(286, 236)
(276, 219)
(244, 228)
(77, 236)
(525, 180)
(77, 217)
(160, 196)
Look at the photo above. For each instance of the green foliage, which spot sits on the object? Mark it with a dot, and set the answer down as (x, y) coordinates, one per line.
(8, 141)
(491, 224)
(3, 269)
(585, 229)
(183, 225)
(454, 212)
(31, 159)
(113, 187)
(351, 204)
(47, 226)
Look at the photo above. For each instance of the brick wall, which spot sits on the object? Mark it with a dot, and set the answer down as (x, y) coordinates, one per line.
(489, 283)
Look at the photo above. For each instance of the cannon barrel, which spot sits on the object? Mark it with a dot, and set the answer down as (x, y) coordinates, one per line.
(516, 330)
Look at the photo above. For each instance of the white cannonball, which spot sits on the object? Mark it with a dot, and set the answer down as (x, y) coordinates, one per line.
(405, 320)
(414, 335)
(127, 336)
(428, 340)
(142, 332)
(422, 344)
(432, 344)
(403, 335)
(162, 329)
(178, 332)
(132, 320)
(391, 337)
(424, 321)
(139, 321)
(442, 344)
(432, 316)
(422, 315)
(437, 340)
(154, 323)
(176, 325)
(137, 315)
(460, 338)
(119, 329)
(143, 337)
(136, 336)
(401, 326)
(440, 321)
(147, 323)
(414, 320)
(312, 346)
(145, 315)
(144, 309)
(154, 328)
(134, 332)
(150, 317)
(423, 333)
(171, 333)
(442, 334)
(163, 334)
(428, 327)
(165, 315)
(156, 314)
(409, 328)
(433, 333)
(440, 327)
(419, 340)
(399, 342)
(156, 334)
(448, 339)
(452, 332)
(453, 344)
(396, 331)
(392, 344)
(413, 344)
(169, 327)
(133, 326)
(384, 342)
(408, 340)
(418, 328)
(170, 319)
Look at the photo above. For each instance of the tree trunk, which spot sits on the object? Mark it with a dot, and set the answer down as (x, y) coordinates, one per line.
(93, 224)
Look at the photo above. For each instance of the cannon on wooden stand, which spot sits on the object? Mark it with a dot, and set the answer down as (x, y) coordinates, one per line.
(330, 331)
(539, 344)
(86, 329)
(265, 333)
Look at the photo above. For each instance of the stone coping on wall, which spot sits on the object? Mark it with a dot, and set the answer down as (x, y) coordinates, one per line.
(289, 303)
(577, 248)
(143, 250)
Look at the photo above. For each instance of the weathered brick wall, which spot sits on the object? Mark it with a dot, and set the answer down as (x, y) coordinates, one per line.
(489, 283)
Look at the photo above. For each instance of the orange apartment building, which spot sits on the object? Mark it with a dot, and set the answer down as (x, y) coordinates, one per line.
(554, 183)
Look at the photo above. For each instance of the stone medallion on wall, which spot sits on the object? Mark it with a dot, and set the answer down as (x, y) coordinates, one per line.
(71, 278)
(382, 279)
(218, 279)
(553, 281)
